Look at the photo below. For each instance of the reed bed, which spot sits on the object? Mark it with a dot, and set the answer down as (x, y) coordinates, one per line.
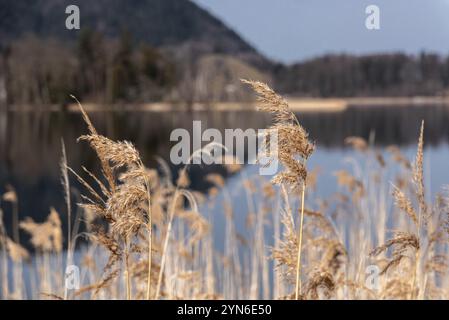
(138, 233)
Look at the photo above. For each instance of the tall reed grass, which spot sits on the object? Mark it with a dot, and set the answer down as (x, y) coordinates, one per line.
(150, 236)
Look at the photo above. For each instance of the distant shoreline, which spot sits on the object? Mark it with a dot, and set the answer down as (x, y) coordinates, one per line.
(296, 104)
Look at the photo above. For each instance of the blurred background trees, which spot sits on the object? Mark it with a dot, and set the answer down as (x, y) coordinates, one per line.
(46, 71)
(395, 74)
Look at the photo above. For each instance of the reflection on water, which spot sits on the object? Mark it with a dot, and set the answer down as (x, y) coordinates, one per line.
(30, 143)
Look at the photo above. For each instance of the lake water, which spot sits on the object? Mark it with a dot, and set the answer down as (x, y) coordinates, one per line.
(30, 145)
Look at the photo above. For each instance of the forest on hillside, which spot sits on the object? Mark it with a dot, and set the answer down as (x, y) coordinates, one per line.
(100, 70)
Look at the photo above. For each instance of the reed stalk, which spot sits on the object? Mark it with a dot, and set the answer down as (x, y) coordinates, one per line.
(301, 229)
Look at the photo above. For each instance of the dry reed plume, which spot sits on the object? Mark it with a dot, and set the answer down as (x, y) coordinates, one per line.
(293, 150)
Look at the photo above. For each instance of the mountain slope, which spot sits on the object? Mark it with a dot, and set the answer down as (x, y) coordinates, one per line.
(160, 23)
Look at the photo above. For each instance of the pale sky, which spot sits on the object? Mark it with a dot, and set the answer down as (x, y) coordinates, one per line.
(293, 30)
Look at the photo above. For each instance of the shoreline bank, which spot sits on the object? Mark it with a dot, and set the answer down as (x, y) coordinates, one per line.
(296, 104)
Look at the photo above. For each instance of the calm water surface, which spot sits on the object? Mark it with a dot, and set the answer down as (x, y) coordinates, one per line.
(30, 145)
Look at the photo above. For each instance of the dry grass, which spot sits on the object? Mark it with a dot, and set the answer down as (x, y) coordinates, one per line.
(149, 238)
